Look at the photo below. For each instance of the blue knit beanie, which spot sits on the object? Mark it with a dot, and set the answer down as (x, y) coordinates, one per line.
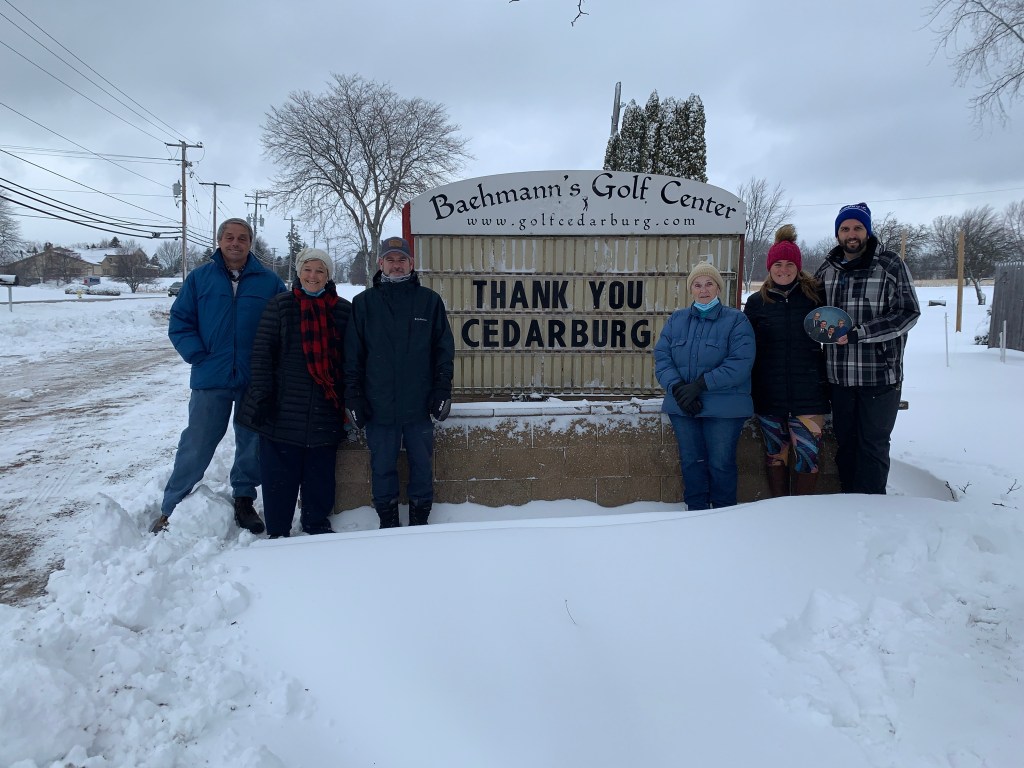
(858, 211)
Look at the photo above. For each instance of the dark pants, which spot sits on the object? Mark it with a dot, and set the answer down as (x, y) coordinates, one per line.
(707, 457)
(863, 419)
(385, 442)
(286, 468)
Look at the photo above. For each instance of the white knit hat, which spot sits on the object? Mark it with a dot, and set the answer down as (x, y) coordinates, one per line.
(314, 254)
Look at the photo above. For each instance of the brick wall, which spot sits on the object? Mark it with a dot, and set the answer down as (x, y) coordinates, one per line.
(608, 453)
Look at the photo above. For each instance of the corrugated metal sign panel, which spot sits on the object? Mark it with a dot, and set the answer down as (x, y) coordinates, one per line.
(565, 315)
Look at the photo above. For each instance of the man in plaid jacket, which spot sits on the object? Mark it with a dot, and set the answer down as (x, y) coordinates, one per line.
(865, 367)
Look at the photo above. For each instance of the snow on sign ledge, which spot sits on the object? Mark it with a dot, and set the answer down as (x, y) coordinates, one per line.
(553, 408)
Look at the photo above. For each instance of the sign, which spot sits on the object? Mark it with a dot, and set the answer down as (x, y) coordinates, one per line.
(559, 282)
(574, 203)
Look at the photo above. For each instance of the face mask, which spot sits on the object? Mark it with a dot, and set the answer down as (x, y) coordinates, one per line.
(705, 307)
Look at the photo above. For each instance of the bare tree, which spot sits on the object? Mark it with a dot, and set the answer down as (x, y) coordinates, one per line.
(911, 241)
(814, 255)
(356, 153)
(580, 13)
(1013, 222)
(132, 267)
(986, 243)
(10, 235)
(987, 37)
(766, 212)
(168, 256)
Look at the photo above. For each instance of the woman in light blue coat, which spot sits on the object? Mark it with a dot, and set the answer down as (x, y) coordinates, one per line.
(703, 359)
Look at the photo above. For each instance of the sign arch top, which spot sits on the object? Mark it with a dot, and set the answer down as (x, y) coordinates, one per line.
(576, 203)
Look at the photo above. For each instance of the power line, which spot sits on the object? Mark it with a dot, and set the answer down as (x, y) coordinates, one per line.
(919, 197)
(173, 131)
(75, 181)
(69, 141)
(79, 154)
(74, 221)
(94, 192)
(71, 87)
(74, 154)
(16, 189)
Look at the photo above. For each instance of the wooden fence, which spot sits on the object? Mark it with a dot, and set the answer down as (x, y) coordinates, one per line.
(1008, 305)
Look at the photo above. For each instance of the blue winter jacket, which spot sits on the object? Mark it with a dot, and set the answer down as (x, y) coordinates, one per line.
(719, 347)
(212, 327)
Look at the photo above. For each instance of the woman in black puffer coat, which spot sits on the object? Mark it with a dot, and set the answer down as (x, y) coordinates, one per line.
(789, 385)
(295, 396)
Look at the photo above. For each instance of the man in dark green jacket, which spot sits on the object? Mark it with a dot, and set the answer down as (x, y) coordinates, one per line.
(399, 361)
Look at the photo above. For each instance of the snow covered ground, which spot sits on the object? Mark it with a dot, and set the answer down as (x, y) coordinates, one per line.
(796, 633)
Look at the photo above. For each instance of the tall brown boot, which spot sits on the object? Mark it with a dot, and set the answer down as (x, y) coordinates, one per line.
(778, 480)
(804, 483)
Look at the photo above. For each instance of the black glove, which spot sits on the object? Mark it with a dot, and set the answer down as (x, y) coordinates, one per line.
(262, 410)
(686, 394)
(440, 405)
(358, 411)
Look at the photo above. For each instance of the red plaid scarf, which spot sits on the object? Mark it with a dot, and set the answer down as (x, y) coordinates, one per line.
(321, 343)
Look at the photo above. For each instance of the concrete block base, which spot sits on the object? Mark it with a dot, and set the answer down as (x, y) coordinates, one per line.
(609, 453)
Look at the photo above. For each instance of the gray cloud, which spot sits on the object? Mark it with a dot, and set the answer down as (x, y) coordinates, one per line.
(839, 104)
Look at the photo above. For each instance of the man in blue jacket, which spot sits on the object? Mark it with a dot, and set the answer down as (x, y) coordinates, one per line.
(399, 362)
(213, 322)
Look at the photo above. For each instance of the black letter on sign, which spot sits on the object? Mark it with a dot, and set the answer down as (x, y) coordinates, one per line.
(466, 338)
(510, 333)
(490, 333)
(641, 338)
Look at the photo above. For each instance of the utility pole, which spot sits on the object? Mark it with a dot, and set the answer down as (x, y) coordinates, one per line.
(214, 184)
(255, 217)
(184, 203)
(615, 107)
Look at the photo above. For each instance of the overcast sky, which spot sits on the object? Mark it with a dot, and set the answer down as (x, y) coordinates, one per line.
(838, 102)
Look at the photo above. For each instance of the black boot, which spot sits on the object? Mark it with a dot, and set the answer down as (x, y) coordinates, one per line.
(419, 511)
(388, 514)
(246, 517)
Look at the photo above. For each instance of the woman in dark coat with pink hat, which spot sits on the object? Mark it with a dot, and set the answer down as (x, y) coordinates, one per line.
(789, 385)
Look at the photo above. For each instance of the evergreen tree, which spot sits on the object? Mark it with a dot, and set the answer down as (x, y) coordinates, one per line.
(665, 137)
(696, 147)
(357, 274)
(674, 156)
(613, 154)
(295, 243)
(654, 113)
(634, 138)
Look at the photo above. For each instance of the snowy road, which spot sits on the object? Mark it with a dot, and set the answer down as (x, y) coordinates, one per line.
(58, 422)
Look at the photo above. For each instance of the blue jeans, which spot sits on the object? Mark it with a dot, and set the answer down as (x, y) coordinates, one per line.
(385, 442)
(707, 455)
(209, 413)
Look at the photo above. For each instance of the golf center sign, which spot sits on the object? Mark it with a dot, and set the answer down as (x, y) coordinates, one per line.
(558, 282)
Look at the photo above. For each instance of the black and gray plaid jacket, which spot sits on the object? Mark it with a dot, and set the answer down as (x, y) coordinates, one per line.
(878, 293)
